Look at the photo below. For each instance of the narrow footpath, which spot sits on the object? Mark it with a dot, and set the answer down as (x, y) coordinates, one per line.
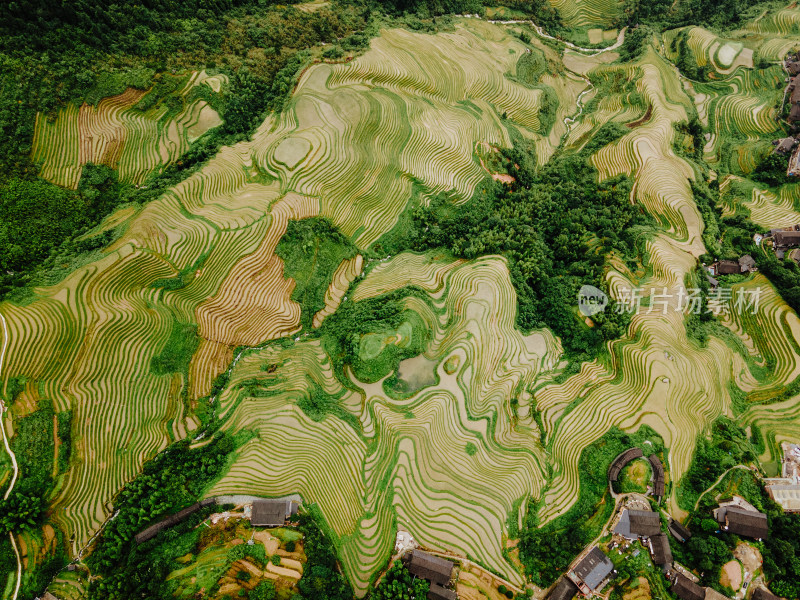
(10, 453)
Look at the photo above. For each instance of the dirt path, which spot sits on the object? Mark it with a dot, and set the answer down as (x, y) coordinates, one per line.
(570, 121)
(10, 454)
(2, 413)
(716, 483)
(590, 51)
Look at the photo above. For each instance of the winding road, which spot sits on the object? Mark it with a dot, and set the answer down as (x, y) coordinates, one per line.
(2, 412)
(590, 51)
(10, 454)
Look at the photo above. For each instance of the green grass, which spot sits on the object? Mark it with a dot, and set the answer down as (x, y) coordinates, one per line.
(318, 404)
(635, 477)
(64, 421)
(178, 351)
(311, 250)
(34, 446)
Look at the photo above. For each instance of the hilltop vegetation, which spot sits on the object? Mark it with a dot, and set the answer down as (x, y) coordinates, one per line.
(555, 225)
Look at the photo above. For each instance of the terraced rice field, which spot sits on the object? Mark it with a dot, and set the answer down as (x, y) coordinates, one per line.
(396, 470)
(117, 134)
(723, 56)
(453, 460)
(588, 13)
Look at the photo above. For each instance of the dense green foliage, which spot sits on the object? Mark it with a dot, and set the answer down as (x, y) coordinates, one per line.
(343, 332)
(263, 591)
(311, 250)
(782, 556)
(783, 274)
(547, 551)
(727, 446)
(635, 43)
(717, 14)
(686, 61)
(399, 584)
(36, 217)
(142, 572)
(318, 404)
(771, 170)
(172, 480)
(64, 425)
(322, 579)
(35, 450)
(555, 226)
(177, 353)
(21, 511)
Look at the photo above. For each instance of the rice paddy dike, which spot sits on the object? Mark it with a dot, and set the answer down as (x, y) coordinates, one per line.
(396, 391)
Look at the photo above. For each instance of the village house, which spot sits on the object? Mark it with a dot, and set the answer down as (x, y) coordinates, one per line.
(660, 550)
(763, 593)
(437, 592)
(785, 492)
(437, 570)
(686, 589)
(785, 239)
(727, 267)
(793, 170)
(743, 522)
(564, 590)
(784, 145)
(792, 65)
(679, 531)
(621, 460)
(795, 96)
(644, 523)
(591, 571)
(658, 475)
(272, 513)
(745, 264)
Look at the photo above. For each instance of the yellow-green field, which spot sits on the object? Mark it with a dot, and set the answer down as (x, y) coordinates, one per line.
(353, 144)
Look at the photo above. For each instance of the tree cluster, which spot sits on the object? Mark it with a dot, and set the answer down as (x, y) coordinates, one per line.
(322, 578)
(715, 14)
(555, 226)
(174, 479)
(311, 250)
(399, 584)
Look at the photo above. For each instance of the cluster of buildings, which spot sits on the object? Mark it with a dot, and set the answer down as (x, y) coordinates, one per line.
(740, 518)
(745, 264)
(592, 570)
(785, 490)
(791, 144)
